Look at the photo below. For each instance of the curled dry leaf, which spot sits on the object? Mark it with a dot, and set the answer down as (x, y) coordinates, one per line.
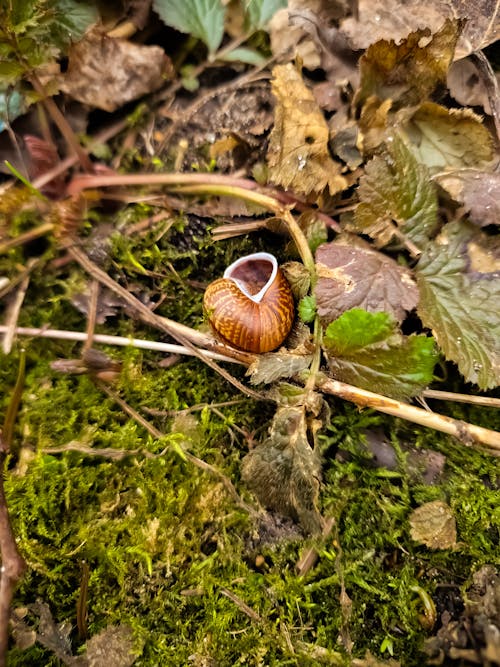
(393, 19)
(284, 471)
(298, 155)
(433, 524)
(107, 73)
(467, 86)
(478, 191)
(407, 73)
(350, 277)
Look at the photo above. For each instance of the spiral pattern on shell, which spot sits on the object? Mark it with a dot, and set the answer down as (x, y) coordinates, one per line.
(252, 306)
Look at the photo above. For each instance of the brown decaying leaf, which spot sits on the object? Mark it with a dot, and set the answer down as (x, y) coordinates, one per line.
(284, 471)
(107, 73)
(407, 73)
(467, 86)
(478, 191)
(351, 277)
(298, 155)
(433, 524)
(393, 19)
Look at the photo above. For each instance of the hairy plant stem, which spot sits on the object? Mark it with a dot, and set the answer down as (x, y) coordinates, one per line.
(62, 124)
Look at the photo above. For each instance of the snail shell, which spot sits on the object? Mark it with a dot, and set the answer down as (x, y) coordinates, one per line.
(251, 307)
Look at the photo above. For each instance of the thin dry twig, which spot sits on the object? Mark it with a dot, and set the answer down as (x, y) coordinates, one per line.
(487, 401)
(468, 434)
(13, 564)
(14, 308)
(183, 334)
(120, 341)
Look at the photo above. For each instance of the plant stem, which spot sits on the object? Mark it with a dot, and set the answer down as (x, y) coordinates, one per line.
(467, 433)
(62, 124)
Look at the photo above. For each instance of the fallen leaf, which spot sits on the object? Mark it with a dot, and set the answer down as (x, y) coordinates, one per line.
(460, 305)
(393, 19)
(367, 350)
(350, 277)
(444, 138)
(396, 197)
(298, 155)
(107, 73)
(407, 73)
(284, 471)
(268, 368)
(433, 524)
(112, 647)
(478, 191)
(466, 84)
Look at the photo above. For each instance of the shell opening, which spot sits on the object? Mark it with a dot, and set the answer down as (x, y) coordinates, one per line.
(253, 274)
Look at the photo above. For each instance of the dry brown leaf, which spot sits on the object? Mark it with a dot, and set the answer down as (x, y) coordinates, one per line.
(467, 86)
(107, 73)
(433, 524)
(407, 73)
(477, 190)
(298, 155)
(350, 277)
(393, 19)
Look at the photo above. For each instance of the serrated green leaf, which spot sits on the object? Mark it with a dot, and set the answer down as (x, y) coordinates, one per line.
(73, 19)
(284, 471)
(246, 55)
(260, 12)
(203, 19)
(459, 302)
(367, 350)
(357, 328)
(307, 309)
(397, 197)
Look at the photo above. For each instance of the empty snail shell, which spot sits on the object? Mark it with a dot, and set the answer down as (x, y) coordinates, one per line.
(251, 307)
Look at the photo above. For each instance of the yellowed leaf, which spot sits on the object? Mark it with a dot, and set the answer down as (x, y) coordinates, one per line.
(393, 19)
(298, 154)
(444, 138)
(433, 524)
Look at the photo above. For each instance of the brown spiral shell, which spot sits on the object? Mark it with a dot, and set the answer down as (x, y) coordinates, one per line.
(251, 307)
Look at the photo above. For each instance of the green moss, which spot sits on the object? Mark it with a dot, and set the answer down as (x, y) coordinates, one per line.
(164, 541)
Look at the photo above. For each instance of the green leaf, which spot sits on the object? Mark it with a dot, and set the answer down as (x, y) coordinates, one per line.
(73, 19)
(244, 54)
(459, 283)
(356, 329)
(397, 197)
(307, 309)
(367, 350)
(203, 19)
(260, 12)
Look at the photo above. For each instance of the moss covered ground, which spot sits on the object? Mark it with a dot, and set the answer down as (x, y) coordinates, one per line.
(169, 553)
